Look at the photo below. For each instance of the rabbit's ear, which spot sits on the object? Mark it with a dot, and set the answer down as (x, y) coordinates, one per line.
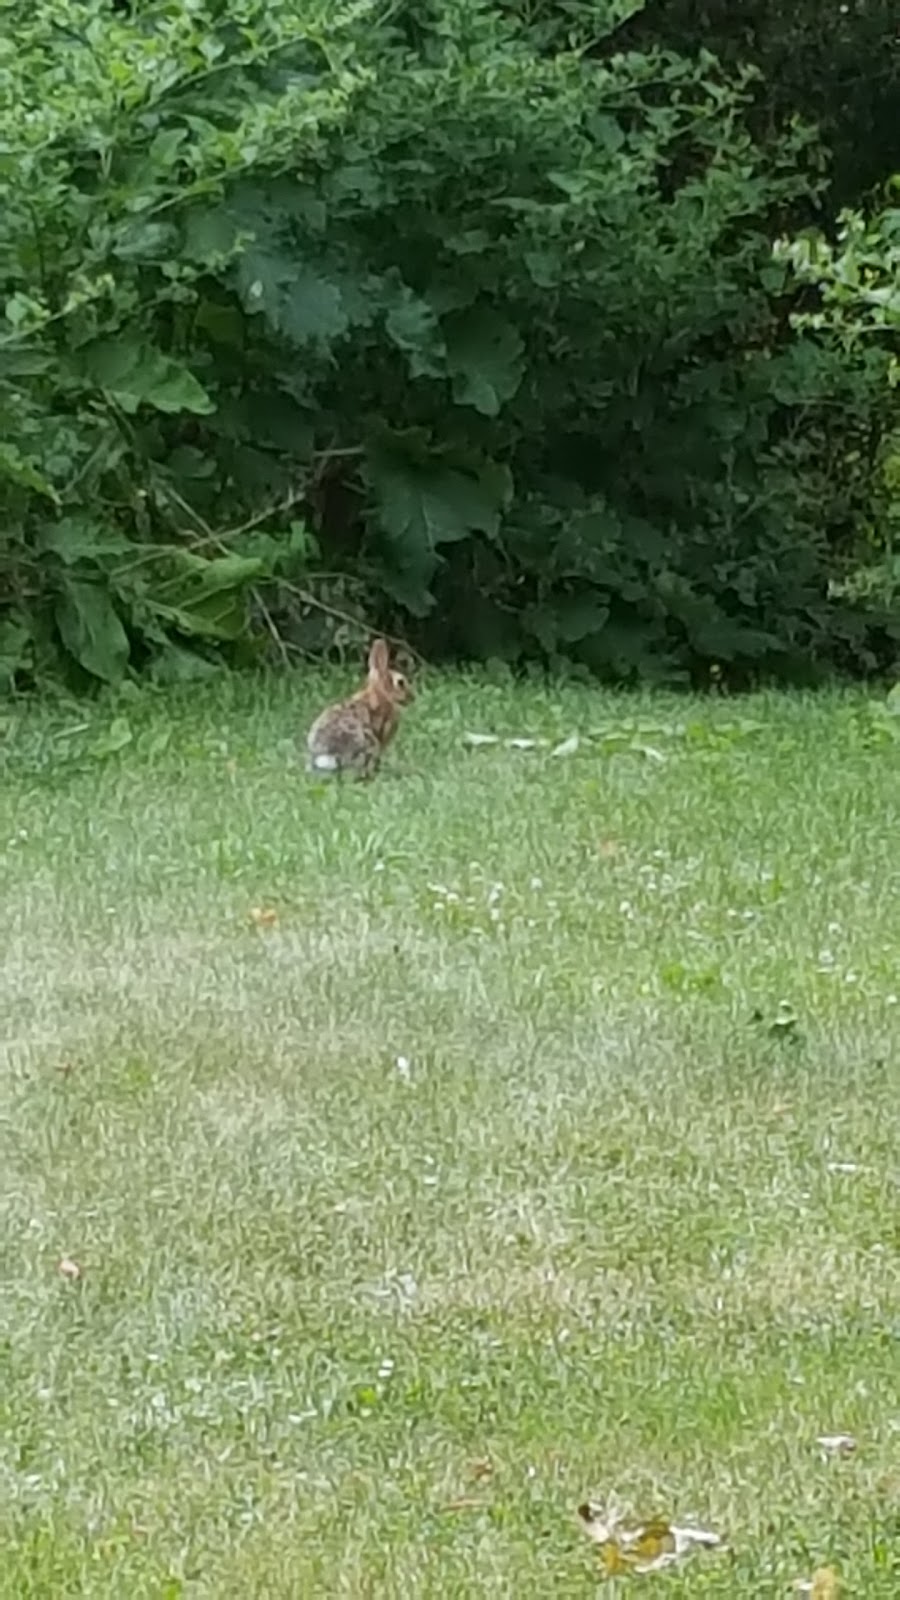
(379, 659)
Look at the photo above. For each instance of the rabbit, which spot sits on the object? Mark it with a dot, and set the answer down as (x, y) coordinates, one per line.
(353, 736)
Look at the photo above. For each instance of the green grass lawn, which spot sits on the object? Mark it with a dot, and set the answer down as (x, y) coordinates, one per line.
(540, 1141)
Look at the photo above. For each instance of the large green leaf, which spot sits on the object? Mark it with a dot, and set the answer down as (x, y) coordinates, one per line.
(75, 539)
(91, 630)
(566, 619)
(212, 616)
(219, 573)
(211, 235)
(23, 361)
(424, 504)
(296, 300)
(206, 598)
(18, 469)
(142, 240)
(134, 373)
(579, 615)
(412, 325)
(310, 310)
(484, 359)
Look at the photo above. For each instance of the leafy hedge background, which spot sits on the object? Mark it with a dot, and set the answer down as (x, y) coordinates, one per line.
(521, 330)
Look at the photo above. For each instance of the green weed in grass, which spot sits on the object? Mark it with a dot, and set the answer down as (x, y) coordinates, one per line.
(539, 1142)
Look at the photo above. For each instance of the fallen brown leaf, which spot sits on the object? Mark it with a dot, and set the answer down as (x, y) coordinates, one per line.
(823, 1585)
(647, 1548)
(568, 746)
(263, 916)
(464, 1503)
(67, 1268)
(482, 1469)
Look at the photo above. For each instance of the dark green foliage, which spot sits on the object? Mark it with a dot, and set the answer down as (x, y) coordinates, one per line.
(836, 65)
(310, 304)
(858, 308)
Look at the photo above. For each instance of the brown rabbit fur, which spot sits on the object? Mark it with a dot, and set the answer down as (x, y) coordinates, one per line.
(353, 736)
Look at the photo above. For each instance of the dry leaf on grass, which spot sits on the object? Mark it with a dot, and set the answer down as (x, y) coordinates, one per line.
(648, 1547)
(263, 916)
(477, 741)
(481, 1469)
(823, 1585)
(837, 1444)
(69, 1269)
(568, 746)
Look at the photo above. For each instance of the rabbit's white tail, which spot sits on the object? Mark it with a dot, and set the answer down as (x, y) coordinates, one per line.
(323, 762)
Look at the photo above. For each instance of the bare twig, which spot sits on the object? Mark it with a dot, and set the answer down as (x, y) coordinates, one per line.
(281, 507)
(269, 621)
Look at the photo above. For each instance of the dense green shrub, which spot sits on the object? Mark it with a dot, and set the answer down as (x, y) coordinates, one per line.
(857, 306)
(837, 66)
(313, 303)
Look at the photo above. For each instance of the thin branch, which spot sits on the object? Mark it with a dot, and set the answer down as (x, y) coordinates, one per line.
(269, 621)
(290, 500)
